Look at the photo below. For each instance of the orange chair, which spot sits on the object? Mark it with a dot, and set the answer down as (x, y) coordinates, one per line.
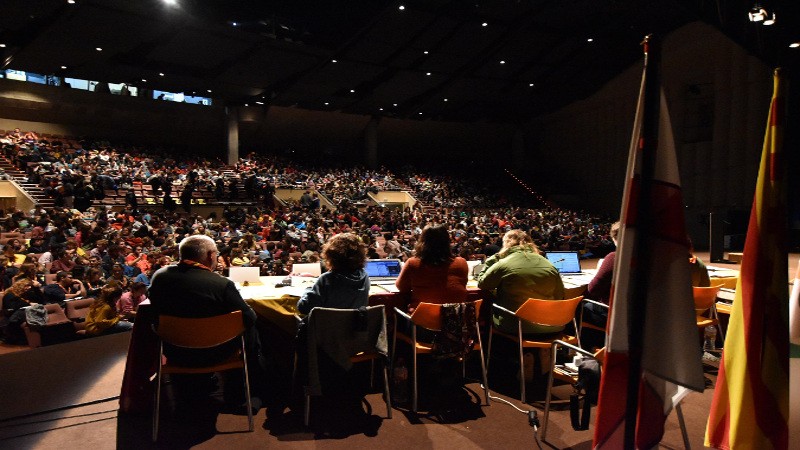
(428, 316)
(705, 300)
(725, 282)
(540, 312)
(590, 325)
(201, 333)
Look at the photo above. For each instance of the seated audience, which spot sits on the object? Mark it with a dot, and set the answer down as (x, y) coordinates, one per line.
(103, 317)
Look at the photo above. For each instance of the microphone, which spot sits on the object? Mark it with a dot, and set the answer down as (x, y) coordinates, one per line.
(559, 260)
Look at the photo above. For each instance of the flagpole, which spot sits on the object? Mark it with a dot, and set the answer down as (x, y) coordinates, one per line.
(648, 144)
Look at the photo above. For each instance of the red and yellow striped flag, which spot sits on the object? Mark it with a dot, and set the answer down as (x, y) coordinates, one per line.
(751, 400)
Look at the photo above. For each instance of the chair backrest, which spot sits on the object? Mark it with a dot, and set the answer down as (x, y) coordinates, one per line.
(726, 282)
(549, 312)
(429, 315)
(78, 309)
(55, 314)
(315, 269)
(705, 297)
(340, 324)
(205, 332)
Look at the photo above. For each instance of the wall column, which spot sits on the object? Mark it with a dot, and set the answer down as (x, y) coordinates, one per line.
(371, 142)
(232, 115)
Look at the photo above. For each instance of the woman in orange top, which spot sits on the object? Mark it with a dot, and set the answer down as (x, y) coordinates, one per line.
(433, 274)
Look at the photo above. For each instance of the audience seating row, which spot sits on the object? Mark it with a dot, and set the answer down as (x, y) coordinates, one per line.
(63, 324)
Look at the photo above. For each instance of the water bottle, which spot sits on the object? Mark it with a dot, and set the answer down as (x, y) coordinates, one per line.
(400, 382)
(710, 341)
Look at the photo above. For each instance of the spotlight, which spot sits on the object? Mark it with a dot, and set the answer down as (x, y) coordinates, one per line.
(757, 13)
(770, 20)
(794, 45)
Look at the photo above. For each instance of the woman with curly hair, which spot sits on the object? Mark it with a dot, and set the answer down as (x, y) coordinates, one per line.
(433, 274)
(346, 284)
(103, 317)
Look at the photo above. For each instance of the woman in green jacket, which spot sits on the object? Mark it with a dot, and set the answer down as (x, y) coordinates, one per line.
(518, 272)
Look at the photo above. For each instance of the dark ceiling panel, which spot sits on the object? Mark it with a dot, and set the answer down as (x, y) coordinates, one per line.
(284, 49)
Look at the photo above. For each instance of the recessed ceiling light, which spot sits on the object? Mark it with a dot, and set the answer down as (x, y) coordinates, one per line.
(401, 7)
(394, 104)
(352, 91)
(428, 74)
(445, 99)
(99, 49)
(590, 40)
(2, 45)
(236, 24)
(502, 61)
(247, 104)
(530, 85)
(425, 52)
(161, 74)
(144, 80)
(71, 2)
(170, 2)
(209, 91)
(484, 24)
(260, 103)
(380, 109)
(420, 113)
(334, 61)
(63, 67)
(794, 45)
(326, 103)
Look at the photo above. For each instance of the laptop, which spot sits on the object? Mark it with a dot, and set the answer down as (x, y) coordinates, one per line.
(245, 275)
(383, 271)
(567, 263)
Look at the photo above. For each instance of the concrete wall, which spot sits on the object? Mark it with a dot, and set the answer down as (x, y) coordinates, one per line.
(719, 99)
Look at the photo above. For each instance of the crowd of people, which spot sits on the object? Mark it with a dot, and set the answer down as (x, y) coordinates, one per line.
(90, 246)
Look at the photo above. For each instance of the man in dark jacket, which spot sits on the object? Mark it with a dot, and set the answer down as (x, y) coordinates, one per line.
(192, 289)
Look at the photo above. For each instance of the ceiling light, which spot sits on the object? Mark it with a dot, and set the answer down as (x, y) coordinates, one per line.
(352, 91)
(71, 2)
(260, 103)
(326, 103)
(794, 45)
(445, 99)
(425, 52)
(209, 91)
(161, 74)
(99, 49)
(428, 74)
(770, 20)
(2, 45)
(380, 109)
(394, 104)
(530, 85)
(63, 67)
(502, 61)
(334, 61)
(484, 24)
(170, 2)
(236, 24)
(144, 80)
(401, 7)
(590, 40)
(247, 104)
(757, 13)
(420, 113)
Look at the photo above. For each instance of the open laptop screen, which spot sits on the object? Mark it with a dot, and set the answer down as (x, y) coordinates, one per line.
(565, 262)
(383, 268)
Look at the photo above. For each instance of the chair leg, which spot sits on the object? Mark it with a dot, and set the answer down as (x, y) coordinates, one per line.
(521, 365)
(484, 363)
(686, 444)
(414, 368)
(489, 349)
(549, 394)
(247, 388)
(386, 391)
(372, 374)
(157, 399)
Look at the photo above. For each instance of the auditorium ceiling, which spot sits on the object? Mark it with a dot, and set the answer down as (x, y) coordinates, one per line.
(451, 60)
